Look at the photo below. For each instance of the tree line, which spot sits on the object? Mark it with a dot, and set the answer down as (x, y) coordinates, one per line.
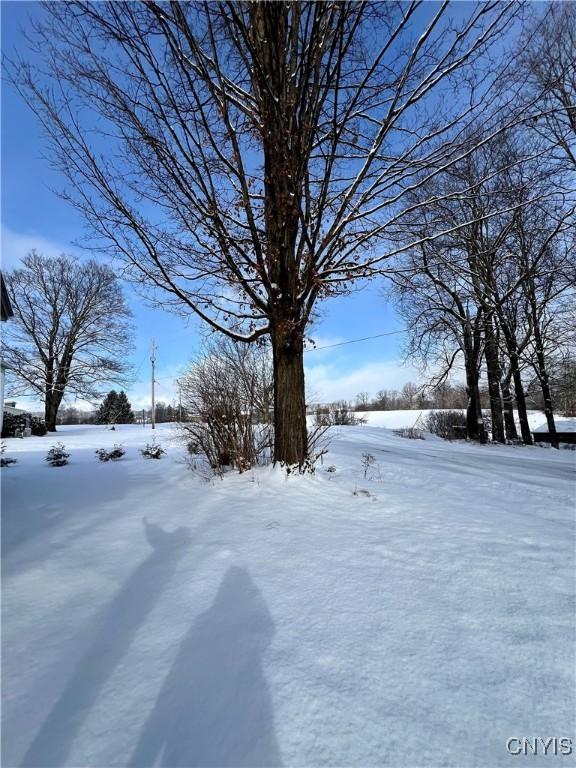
(116, 409)
(495, 290)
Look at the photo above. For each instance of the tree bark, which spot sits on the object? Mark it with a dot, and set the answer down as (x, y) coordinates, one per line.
(290, 430)
(513, 355)
(540, 366)
(494, 376)
(508, 403)
(521, 402)
(474, 421)
(51, 406)
(546, 391)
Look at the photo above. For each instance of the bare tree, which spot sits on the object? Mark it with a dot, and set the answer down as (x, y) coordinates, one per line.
(484, 288)
(546, 72)
(362, 401)
(444, 320)
(249, 158)
(70, 331)
(545, 251)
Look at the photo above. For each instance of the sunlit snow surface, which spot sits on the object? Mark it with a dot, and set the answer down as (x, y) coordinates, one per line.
(420, 616)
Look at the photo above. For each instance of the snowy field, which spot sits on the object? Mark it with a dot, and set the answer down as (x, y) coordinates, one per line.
(419, 616)
(417, 418)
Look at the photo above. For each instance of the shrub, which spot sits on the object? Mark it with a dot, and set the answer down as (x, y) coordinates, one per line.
(38, 427)
(152, 451)
(57, 456)
(336, 415)
(228, 394)
(412, 433)
(106, 455)
(5, 461)
(450, 425)
(13, 424)
(368, 462)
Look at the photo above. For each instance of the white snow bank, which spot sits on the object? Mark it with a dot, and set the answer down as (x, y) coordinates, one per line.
(562, 425)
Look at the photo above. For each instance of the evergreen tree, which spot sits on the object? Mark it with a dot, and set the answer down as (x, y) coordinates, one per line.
(108, 406)
(115, 409)
(124, 410)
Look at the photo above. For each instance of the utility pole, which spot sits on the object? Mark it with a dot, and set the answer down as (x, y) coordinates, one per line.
(153, 361)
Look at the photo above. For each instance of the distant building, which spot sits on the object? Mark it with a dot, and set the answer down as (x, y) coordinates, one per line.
(6, 313)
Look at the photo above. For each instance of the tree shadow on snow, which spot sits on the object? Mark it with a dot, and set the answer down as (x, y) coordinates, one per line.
(115, 629)
(214, 708)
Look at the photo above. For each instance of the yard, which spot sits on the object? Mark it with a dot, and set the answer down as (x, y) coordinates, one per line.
(413, 609)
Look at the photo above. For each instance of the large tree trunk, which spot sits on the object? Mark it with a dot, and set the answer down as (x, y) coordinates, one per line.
(508, 402)
(290, 431)
(547, 395)
(521, 403)
(513, 355)
(282, 188)
(494, 376)
(51, 406)
(474, 422)
(542, 373)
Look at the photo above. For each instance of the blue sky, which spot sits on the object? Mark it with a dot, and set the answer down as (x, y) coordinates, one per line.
(33, 216)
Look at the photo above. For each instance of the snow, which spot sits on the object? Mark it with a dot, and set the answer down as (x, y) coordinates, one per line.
(398, 419)
(420, 616)
(562, 425)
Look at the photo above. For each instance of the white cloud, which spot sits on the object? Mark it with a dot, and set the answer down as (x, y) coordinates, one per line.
(328, 382)
(16, 245)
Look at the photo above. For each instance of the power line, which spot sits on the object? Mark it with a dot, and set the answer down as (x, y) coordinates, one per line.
(355, 341)
(330, 346)
(141, 364)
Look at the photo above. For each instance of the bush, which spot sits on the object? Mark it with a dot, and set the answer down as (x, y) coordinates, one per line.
(105, 455)
(5, 461)
(336, 415)
(412, 433)
(228, 394)
(152, 451)
(450, 425)
(368, 462)
(13, 424)
(38, 427)
(57, 456)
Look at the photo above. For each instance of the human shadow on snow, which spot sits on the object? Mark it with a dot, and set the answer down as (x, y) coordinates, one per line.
(116, 628)
(214, 708)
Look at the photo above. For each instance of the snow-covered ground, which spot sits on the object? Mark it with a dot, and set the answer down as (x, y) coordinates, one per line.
(419, 616)
(398, 419)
